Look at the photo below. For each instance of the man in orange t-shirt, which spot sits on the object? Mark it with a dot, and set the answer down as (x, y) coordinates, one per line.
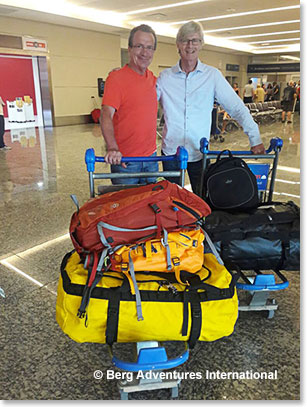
(129, 109)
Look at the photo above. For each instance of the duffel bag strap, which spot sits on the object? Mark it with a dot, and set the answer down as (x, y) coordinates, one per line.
(193, 299)
(112, 317)
(94, 277)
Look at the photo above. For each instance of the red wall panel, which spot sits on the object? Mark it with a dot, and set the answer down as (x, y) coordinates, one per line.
(16, 80)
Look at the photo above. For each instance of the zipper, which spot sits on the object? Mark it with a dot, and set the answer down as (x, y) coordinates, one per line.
(191, 211)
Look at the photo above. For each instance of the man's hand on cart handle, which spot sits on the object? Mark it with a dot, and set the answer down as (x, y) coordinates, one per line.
(258, 149)
(114, 157)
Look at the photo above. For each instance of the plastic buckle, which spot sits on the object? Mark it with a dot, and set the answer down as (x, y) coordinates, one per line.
(196, 313)
(155, 208)
(176, 261)
(125, 267)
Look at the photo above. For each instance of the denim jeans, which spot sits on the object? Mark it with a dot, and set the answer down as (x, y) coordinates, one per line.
(135, 167)
(194, 171)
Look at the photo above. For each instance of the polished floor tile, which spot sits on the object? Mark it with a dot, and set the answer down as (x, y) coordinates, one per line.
(38, 361)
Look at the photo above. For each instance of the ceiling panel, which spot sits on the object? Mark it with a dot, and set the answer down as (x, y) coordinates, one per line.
(166, 21)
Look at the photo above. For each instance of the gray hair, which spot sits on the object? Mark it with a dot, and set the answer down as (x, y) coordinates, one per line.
(192, 27)
(144, 28)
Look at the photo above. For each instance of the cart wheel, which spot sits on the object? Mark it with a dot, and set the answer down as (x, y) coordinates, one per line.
(124, 395)
(222, 139)
(271, 314)
(215, 137)
(175, 392)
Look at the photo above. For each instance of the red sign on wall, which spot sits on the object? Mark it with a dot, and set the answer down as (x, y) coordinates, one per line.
(34, 44)
(17, 79)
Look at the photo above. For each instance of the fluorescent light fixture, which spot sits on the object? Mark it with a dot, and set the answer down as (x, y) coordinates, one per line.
(262, 35)
(273, 46)
(167, 30)
(252, 26)
(269, 41)
(180, 4)
(268, 10)
(266, 50)
(67, 9)
(290, 57)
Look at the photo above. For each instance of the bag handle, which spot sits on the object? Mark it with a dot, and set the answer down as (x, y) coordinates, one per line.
(222, 152)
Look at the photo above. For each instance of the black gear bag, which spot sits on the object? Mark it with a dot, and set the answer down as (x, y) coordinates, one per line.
(229, 184)
(266, 238)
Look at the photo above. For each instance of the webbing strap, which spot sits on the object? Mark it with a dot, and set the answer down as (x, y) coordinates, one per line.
(164, 242)
(213, 249)
(148, 251)
(86, 295)
(103, 257)
(137, 292)
(102, 236)
(112, 318)
(185, 321)
(196, 322)
(119, 229)
(75, 201)
(94, 269)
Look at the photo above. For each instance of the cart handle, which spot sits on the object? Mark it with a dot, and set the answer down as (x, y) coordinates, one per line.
(181, 156)
(276, 144)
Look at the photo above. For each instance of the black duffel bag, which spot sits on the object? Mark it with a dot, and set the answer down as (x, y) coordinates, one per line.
(229, 184)
(267, 238)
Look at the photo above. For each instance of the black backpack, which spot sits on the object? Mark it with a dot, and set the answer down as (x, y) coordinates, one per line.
(229, 184)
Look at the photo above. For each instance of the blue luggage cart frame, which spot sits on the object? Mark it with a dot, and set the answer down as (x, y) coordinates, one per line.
(258, 286)
(150, 354)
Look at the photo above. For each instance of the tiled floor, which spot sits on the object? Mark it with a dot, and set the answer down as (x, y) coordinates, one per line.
(37, 360)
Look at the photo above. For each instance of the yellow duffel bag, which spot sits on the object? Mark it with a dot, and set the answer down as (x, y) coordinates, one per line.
(205, 310)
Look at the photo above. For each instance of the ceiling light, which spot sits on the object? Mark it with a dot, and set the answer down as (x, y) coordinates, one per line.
(290, 57)
(273, 46)
(167, 30)
(252, 26)
(268, 10)
(280, 40)
(289, 48)
(67, 9)
(182, 3)
(262, 35)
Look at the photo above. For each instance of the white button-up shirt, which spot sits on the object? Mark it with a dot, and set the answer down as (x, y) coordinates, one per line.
(187, 102)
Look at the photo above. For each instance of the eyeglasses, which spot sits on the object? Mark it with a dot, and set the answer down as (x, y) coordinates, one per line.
(139, 47)
(194, 41)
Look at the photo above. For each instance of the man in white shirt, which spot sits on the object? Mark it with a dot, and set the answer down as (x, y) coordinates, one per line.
(248, 92)
(187, 92)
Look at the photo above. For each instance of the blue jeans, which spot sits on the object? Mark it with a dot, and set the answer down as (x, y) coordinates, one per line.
(194, 171)
(135, 167)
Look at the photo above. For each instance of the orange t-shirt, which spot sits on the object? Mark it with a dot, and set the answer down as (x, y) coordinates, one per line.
(134, 97)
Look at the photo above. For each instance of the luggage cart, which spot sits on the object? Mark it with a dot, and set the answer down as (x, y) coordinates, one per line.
(257, 286)
(152, 357)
